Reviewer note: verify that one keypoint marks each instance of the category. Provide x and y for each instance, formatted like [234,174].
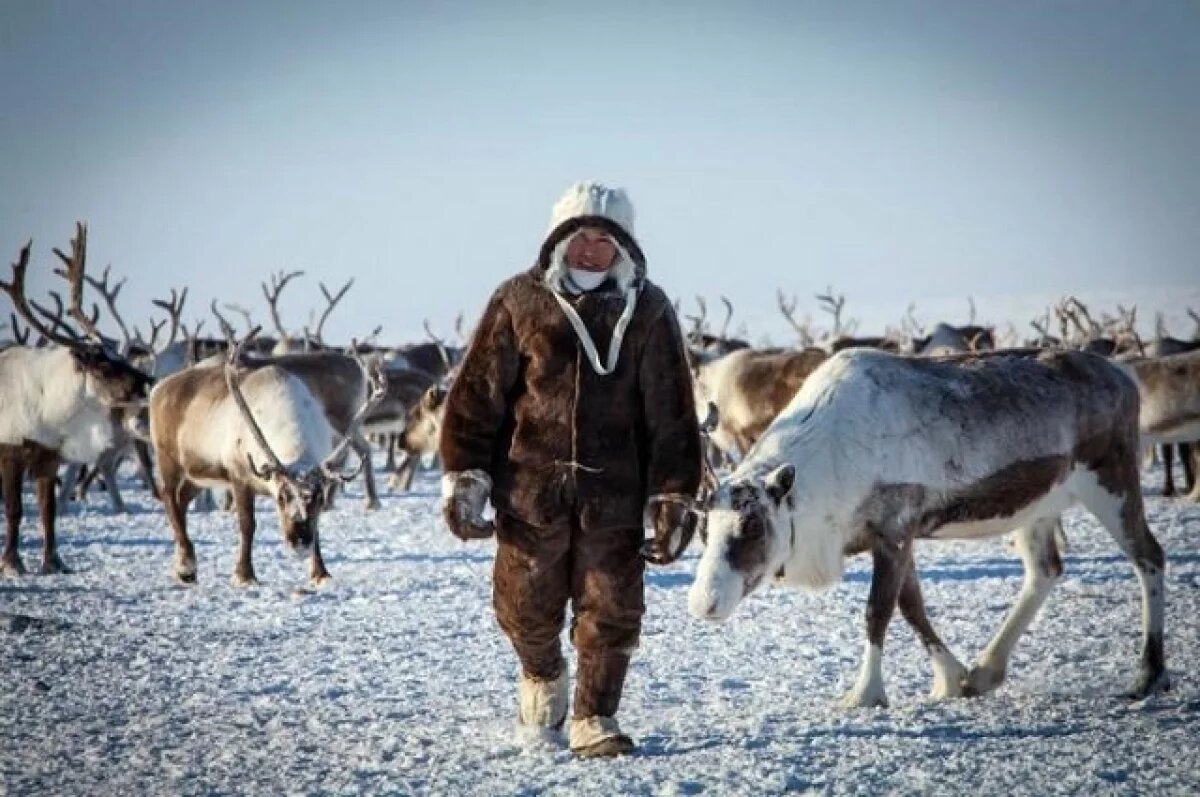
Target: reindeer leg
[1039,552]
[66,493]
[243,571]
[107,466]
[44,469]
[891,564]
[1187,455]
[145,466]
[1125,519]
[948,671]
[1168,454]
[390,464]
[363,449]
[177,492]
[402,478]
[12,468]
[318,576]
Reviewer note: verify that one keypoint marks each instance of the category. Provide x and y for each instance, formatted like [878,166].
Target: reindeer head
[299,491]
[114,382]
[423,427]
[748,528]
[299,500]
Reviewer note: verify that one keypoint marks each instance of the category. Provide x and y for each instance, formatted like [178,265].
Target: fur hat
[590,198]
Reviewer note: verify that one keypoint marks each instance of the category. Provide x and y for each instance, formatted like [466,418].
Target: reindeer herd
[246,415]
[838,445]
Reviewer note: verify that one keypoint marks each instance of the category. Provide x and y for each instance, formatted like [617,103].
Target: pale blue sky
[900,151]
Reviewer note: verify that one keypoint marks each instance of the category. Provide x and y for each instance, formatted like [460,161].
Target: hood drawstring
[589,346]
[585,338]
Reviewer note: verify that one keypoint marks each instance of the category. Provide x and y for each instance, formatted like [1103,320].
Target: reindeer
[259,431]
[338,381]
[750,387]
[877,451]
[390,417]
[58,403]
[133,436]
[1161,346]
[1170,408]
[422,431]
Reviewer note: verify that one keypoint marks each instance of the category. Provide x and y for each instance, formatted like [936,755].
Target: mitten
[671,521]
[464,496]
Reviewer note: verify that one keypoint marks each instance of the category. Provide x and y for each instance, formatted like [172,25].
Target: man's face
[591,249]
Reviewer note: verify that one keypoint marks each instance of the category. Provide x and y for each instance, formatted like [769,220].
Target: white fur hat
[589,198]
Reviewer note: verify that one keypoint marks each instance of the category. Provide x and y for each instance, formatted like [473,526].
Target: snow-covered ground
[395,679]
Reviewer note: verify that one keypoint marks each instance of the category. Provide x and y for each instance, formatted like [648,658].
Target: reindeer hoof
[241,580]
[185,577]
[982,679]
[1149,683]
[54,567]
[321,581]
[12,567]
[860,697]
[373,505]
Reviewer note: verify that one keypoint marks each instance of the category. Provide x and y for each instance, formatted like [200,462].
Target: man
[573,447]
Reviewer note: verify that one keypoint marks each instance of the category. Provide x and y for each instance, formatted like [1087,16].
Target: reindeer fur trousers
[538,570]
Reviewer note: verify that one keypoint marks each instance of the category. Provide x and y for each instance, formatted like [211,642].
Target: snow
[395,678]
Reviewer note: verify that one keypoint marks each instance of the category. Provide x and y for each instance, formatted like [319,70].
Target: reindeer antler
[278,283]
[227,330]
[110,299]
[441,345]
[699,322]
[73,272]
[833,305]
[789,312]
[331,302]
[376,389]
[26,308]
[19,336]
[274,465]
[728,316]
[174,308]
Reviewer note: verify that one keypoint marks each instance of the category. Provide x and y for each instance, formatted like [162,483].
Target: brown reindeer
[258,430]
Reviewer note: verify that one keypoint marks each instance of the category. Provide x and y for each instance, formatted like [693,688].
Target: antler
[74,273]
[278,283]
[16,291]
[833,305]
[331,302]
[909,324]
[19,336]
[376,388]
[227,329]
[728,316]
[789,312]
[699,322]
[441,345]
[273,465]
[174,308]
[1192,314]
[110,299]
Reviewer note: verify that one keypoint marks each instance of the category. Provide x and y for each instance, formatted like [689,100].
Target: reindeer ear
[779,482]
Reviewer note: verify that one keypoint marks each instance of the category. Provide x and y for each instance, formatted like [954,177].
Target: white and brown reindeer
[878,451]
[750,387]
[257,430]
[58,403]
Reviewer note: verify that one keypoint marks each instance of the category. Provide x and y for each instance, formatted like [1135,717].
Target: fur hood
[590,204]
